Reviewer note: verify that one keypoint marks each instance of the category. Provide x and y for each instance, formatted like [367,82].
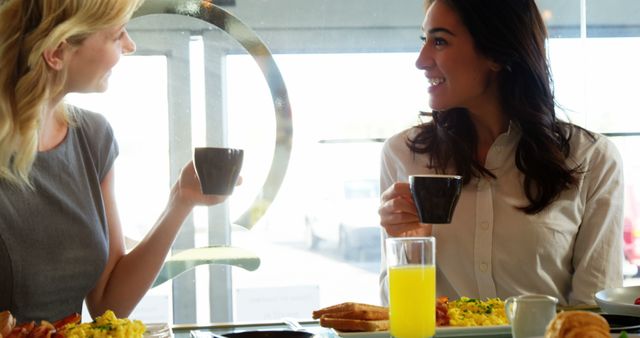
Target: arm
[127,276]
[598,251]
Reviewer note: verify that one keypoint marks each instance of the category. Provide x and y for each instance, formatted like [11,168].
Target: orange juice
[412,301]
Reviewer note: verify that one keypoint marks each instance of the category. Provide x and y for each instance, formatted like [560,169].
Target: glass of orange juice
[411,264]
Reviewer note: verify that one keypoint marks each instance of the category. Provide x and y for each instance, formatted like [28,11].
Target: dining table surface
[313,326]
[205,331]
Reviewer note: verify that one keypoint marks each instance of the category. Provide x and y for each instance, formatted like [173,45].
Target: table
[184,331]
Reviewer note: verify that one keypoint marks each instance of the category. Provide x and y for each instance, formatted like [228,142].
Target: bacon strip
[45,329]
[442,311]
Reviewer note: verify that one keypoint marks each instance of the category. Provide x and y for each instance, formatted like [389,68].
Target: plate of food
[71,326]
[459,318]
[442,331]
[619,301]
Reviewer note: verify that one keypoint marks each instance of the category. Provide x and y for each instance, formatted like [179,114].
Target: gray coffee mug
[217,169]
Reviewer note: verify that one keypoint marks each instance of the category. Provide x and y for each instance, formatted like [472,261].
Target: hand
[188,190]
[398,214]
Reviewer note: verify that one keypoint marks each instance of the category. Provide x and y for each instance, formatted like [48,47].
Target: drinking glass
[411,264]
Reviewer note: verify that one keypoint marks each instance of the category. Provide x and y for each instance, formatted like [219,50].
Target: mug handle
[508,308]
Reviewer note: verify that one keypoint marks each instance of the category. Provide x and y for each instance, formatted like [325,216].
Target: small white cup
[529,315]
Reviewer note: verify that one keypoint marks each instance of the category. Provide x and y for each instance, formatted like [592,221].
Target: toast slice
[351,310]
[359,314]
[354,325]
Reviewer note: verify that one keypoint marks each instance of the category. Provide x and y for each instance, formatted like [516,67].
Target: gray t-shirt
[54,239]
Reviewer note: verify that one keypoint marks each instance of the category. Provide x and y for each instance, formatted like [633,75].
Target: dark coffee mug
[435,196]
[217,169]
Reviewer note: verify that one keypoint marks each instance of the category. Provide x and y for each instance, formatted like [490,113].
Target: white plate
[619,301]
[157,330]
[449,331]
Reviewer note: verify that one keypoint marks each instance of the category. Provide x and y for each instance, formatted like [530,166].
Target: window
[348,67]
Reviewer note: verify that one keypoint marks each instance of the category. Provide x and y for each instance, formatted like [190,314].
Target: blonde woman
[61,239]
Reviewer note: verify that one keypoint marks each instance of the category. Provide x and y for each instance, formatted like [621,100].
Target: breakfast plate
[619,301]
[443,331]
[157,330]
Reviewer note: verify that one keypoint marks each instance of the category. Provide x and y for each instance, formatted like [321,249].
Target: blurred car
[347,218]
[342,204]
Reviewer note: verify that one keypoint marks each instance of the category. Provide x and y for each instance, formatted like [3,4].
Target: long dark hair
[512,34]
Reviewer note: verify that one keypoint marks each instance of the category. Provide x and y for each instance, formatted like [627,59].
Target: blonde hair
[27,29]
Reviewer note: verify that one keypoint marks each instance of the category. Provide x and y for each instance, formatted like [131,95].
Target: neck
[52,128]
[488,127]
[487,115]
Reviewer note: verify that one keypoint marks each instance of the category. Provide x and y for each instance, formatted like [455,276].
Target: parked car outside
[342,209]
[347,218]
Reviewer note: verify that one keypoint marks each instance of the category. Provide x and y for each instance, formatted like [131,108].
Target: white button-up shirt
[570,250]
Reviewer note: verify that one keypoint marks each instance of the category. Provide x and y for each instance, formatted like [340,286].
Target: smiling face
[459,77]
[90,63]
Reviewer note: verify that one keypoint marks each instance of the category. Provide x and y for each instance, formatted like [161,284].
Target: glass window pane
[563,18]
[331,186]
[612,18]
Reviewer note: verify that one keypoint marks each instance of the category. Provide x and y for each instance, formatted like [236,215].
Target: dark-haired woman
[541,209]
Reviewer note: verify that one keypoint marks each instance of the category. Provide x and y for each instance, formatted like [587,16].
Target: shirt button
[484,225]
[484,267]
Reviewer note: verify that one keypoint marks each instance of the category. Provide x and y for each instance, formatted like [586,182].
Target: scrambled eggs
[106,326]
[474,312]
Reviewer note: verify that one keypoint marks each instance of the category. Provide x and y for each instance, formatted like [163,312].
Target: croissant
[7,322]
[578,324]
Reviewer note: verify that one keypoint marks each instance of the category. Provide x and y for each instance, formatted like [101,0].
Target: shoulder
[95,137]
[88,120]
[398,158]
[593,150]
[91,126]
[586,143]
[398,143]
